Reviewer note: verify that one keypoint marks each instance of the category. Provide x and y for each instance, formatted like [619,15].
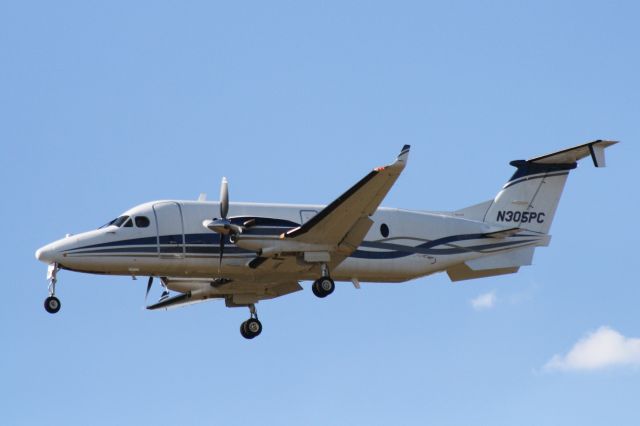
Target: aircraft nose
[46,254]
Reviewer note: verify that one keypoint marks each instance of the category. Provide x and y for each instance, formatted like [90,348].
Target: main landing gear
[251,327]
[52,303]
[323,286]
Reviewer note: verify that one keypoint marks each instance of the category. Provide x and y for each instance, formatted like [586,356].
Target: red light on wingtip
[379,169]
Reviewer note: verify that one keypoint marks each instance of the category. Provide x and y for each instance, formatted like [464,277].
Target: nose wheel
[252,327]
[52,303]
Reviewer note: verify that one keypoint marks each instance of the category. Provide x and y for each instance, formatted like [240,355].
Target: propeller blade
[221,252]
[224,198]
[149,284]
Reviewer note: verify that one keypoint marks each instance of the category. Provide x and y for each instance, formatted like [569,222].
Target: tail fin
[530,198]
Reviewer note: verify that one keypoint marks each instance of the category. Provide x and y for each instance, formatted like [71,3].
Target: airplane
[244,253]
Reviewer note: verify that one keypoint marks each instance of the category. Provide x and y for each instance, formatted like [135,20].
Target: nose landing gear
[251,327]
[52,303]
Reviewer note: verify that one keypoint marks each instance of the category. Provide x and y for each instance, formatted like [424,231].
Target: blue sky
[108,105]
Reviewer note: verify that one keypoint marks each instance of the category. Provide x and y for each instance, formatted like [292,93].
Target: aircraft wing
[182,299]
[345,222]
[235,293]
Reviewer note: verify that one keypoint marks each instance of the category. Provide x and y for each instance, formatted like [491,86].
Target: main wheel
[254,327]
[316,290]
[323,287]
[326,285]
[52,304]
[243,330]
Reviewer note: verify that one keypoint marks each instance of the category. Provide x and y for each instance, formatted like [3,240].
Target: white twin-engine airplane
[254,252]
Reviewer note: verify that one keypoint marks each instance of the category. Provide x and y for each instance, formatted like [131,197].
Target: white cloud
[484,301]
[602,348]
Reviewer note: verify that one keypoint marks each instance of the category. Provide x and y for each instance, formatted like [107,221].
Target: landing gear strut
[324,286]
[52,303]
[251,327]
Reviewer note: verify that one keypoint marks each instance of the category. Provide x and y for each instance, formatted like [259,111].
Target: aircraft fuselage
[167,238]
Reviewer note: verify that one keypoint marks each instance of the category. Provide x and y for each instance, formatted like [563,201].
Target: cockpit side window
[119,221]
[142,221]
[116,222]
[128,223]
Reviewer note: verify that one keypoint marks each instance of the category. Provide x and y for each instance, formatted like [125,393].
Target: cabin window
[142,221]
[384,230]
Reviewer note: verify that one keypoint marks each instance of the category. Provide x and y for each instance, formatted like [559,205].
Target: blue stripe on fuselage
[208,243]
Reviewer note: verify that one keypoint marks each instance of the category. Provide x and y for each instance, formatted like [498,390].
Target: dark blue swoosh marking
[527,168]
[263,221]
[529,179]
[427,248]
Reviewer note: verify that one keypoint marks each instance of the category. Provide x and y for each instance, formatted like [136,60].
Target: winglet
[401,160]
[404,154]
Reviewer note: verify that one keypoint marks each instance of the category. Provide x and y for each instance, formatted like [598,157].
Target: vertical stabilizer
[530,198]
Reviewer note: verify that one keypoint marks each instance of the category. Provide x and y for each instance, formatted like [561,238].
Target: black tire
[253,327]
[326,286]
[316,290]
[52,304]
[243,330]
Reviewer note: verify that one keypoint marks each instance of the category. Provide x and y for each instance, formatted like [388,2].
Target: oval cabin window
[142,221]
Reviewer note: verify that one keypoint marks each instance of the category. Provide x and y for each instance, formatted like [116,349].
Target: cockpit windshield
[116,222]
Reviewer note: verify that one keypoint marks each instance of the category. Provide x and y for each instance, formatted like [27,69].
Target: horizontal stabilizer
[513,258]
[594,149]
[489,266]
[462,272]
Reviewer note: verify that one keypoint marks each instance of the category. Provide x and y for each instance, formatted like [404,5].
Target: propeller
[165,290]
[224,198]
[224,209]
[149,284]
[223,225]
